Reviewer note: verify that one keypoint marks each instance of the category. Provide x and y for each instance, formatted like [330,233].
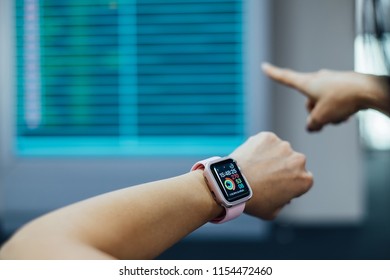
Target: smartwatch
[227,185]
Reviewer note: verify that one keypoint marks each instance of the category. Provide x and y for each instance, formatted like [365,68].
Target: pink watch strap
[201,164]
[231,212]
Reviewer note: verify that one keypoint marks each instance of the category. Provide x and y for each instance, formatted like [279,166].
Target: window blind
[129,77]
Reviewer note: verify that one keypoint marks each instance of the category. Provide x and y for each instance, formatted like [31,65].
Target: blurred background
[99,95]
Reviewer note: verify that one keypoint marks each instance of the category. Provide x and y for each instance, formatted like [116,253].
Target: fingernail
[308,121]
[312,125]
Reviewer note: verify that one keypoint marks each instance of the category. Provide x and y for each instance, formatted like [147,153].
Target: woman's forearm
[377,94]
[133,223]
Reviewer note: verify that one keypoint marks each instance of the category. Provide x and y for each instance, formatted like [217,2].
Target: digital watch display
[227,184]
[230,180]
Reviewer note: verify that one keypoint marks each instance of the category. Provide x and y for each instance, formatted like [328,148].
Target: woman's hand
[276,173]
[332,96]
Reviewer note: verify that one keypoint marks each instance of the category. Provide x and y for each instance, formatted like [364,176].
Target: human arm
[333,96]
[132,223]
[142,221]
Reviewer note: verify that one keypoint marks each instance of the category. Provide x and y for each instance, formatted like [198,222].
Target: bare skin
[141,222]
[333,96]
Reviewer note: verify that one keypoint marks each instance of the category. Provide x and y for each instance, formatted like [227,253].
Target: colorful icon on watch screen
[229,184]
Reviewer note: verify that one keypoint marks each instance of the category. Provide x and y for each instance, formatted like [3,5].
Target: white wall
[310,35]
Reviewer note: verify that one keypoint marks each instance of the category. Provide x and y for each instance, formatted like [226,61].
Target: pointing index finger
[287,77]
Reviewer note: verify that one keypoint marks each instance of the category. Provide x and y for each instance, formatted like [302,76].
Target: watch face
[230,180]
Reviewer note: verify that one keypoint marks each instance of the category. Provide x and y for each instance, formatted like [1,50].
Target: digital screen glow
[231,181]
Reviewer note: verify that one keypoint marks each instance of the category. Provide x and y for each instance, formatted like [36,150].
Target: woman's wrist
[201,197]
[376,95]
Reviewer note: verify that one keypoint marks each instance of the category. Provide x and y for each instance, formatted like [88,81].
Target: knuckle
[286,146]
[307,182]
[269,136]
[255,137]
[310,181]
[298,161]
[301,159]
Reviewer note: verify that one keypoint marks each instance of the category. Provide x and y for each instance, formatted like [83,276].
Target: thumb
[317,118]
